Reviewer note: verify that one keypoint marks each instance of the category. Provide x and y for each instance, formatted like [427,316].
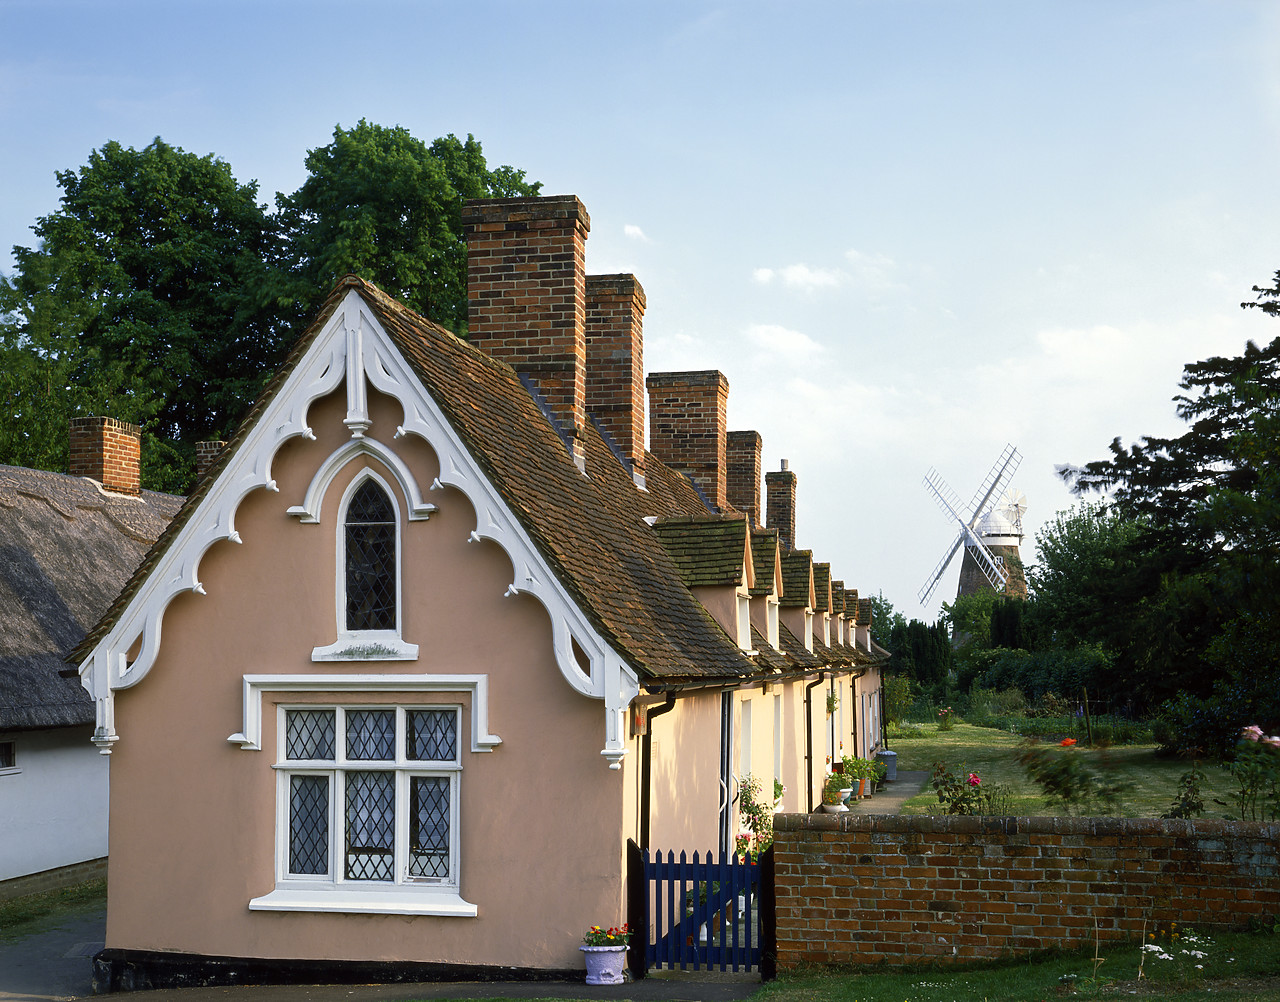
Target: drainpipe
[808,737]
[646,767]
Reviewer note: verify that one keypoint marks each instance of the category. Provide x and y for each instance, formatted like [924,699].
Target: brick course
[780,487]
[615,361]
[526,295]
[687,418]
[106,450]
[742,454]
[854,889]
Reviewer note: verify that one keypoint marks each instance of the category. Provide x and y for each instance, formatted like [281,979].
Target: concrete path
[54,964]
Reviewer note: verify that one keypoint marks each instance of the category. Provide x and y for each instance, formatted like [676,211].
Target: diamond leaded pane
[371,735]
[429,827]
[433,735]
[309,824]
[308,734]
[370,825]
[371,560]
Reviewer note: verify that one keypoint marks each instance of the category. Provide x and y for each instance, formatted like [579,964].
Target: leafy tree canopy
[163,293]
[884,618]
[384,205]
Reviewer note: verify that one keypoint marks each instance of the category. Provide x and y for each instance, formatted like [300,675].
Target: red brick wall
[107,450]
[526,295]
[615,361]
[742,453]
[780,486]
[909,889]
[687,419]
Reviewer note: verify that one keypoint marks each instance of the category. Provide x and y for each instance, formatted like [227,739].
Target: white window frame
[332,891]
[366,645]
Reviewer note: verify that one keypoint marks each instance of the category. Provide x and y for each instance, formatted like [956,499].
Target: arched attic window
[368,585]
[369,537]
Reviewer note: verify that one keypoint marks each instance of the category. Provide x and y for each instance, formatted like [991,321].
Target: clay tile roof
[797,577]
[766,657]
[764,554]
[830,655]
[795,650]
[864,612]
[66,549]
[591,530]
[837,597]
[707,551]
[822,587]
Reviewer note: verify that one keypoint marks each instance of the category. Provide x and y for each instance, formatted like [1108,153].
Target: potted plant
[833,793]
[605,951]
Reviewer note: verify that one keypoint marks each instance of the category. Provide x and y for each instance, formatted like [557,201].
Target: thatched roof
[66,549]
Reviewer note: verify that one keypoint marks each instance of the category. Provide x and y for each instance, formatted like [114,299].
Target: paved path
[54,964]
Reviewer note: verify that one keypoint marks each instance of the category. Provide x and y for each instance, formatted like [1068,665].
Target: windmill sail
[980,509]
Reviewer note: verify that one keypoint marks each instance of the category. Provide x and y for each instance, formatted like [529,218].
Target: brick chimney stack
[206,455]
[742,453]
[615,362]
[780,485]
[108,451]
[526,296]
[687,427]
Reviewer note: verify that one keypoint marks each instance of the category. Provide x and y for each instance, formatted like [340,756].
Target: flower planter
[834,808]
[604,964]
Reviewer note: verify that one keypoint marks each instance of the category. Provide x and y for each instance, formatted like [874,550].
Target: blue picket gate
[703,913]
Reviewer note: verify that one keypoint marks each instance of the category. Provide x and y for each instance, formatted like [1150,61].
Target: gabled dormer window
[368,579]
[370,543]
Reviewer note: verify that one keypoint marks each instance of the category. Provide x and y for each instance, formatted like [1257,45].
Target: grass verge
[1242,967]
[23,916]
[1152,782]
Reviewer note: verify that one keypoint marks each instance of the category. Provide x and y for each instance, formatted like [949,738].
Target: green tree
[1084,553]
[145,300]
[884,618]
[384,205]
[1204,575]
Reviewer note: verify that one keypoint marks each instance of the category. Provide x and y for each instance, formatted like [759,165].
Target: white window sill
[372,645]
[385,900]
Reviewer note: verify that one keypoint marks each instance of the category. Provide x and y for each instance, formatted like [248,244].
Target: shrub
[968,794]
[1068,781]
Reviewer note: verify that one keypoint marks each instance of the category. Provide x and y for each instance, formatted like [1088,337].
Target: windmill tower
[990,534]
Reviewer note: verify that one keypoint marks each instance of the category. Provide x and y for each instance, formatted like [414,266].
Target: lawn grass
[23,916]
[1152,782]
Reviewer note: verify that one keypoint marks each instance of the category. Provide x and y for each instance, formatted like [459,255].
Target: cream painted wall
[685,799]
[193,816]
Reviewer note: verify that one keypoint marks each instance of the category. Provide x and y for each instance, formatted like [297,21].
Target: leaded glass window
[373,796]
[370,536]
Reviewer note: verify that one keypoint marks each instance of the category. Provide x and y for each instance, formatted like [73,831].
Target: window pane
[429,827]
[308,734]
[309,824]
[370,825]
[371,560]
[433,735]
[371,734]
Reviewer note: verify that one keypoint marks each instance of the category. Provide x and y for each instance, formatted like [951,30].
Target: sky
[908,233]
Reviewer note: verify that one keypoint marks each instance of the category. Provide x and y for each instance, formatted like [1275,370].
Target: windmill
[990,534]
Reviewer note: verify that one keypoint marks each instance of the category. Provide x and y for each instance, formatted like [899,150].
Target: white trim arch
[353,346]
[308,512]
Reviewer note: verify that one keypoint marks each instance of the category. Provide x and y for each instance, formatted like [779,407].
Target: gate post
[768,898]
[637,911]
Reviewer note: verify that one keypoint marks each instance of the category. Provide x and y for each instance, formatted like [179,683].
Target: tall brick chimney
[742,454]
[780,486]
[526,296]
[687,427]
[615,363]
[108,451]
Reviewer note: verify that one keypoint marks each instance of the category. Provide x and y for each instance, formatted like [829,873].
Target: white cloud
[782,345]
[635,233]
[801,276]
[874,274]
[763,275]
